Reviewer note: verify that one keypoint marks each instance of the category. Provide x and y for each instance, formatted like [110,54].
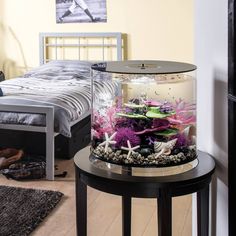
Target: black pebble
[175,151]
[145,151]
[184,150]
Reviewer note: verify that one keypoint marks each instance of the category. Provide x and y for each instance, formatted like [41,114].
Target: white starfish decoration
[108,141]
[129,148]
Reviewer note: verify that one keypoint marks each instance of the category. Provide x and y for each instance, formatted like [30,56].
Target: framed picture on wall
[81,11]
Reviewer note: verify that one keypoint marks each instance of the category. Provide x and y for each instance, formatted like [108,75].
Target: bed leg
[50,144]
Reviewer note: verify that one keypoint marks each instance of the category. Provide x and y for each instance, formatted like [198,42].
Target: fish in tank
[144,113]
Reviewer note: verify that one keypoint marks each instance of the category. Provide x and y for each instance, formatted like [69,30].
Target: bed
[39,102]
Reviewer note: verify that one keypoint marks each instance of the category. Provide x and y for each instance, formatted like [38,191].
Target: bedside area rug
[21,209]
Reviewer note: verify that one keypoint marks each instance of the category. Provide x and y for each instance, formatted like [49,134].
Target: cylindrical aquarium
[144,113]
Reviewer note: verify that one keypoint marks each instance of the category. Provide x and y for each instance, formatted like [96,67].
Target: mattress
[65,85]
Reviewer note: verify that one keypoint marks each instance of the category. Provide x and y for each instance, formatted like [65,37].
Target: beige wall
[156,29]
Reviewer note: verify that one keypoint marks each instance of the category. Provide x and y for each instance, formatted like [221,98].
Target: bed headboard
[80,46]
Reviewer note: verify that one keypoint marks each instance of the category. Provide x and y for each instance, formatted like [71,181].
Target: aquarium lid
[144,67]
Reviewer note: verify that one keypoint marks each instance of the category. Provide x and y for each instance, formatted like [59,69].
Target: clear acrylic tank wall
[144,113]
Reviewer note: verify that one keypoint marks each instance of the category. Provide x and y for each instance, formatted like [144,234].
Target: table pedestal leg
[126,216]
[203,212]
[81,207]
[164,214]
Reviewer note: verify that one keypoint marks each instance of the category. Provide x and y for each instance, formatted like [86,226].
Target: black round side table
[128,185]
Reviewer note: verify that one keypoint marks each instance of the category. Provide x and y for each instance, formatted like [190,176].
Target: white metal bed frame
[45,45]
[48,111]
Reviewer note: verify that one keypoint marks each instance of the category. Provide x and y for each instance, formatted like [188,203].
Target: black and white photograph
[81,11]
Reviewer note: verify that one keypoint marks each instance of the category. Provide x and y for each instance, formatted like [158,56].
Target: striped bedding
[63,84]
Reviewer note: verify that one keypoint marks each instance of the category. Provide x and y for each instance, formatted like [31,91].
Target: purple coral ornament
[125,134]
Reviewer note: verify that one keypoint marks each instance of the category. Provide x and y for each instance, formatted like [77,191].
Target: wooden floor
[104,210]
